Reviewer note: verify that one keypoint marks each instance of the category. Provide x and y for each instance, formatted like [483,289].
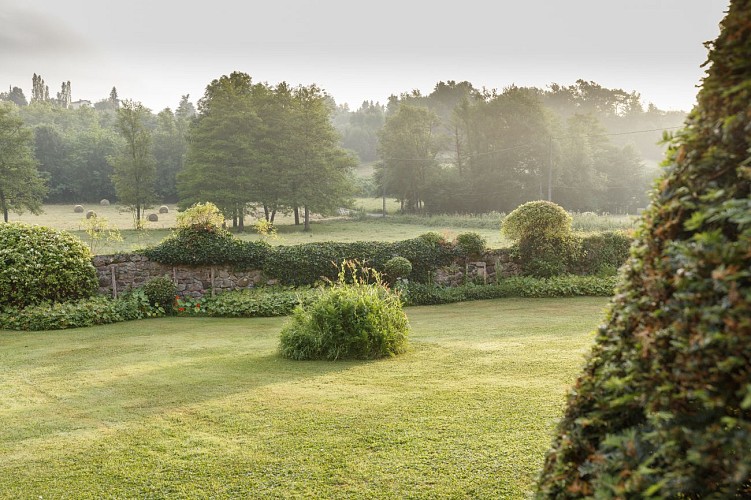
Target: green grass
[193,407]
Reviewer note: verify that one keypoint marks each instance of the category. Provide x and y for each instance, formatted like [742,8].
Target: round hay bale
[153,218]
[164,209]
[78,209]
[105,202]
[90,214]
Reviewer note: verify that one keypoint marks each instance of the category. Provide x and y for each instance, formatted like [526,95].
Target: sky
[155,51]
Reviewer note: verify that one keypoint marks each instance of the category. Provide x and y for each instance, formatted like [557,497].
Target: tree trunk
[273,215]
[4,205]
[297,215]
[307,219]
[241,220]
[266,212]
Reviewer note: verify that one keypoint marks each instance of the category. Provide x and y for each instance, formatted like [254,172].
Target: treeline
[282,148]
[460,149]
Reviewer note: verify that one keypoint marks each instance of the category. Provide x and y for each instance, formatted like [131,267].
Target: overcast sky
[154,51]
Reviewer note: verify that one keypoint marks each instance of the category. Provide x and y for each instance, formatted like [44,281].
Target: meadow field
[367,226]
[203,407]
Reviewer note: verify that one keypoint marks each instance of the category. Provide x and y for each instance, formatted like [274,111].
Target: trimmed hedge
[40,264]
[663,406]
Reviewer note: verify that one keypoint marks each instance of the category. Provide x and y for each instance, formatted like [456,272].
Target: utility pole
[550,170]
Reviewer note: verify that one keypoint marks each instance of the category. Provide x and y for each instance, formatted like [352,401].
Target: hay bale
[153,218]
[164,209]
[105,202]
[90,214]
[78,209]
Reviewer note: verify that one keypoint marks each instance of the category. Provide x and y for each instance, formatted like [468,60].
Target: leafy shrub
[261,302]
[161,293]
[662,408]
[546,257]
[397,267]
[471,244]
[602,253]
[41,264]
[357,320]
[537,220]
[78,314]
[418,294]
[208,245]
[200,214]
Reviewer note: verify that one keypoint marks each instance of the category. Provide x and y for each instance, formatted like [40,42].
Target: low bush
[78,314]
[603,253]
[471,245]
[397,267]
[418,294]
[161,292]
[360,320]
[546,257]
[261,302]
[41,264]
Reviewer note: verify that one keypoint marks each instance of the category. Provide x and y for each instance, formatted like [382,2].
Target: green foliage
[397,267]
[79,313]
[201,214]
[208,245]
[546,257]
[537,220]
[419,294]
[21,186]
[663,406]
[359,320]
[41,264]
[161,292]
[602,253]
[258,302]
[471,245]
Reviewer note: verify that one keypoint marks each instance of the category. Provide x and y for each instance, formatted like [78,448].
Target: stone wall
[120,273]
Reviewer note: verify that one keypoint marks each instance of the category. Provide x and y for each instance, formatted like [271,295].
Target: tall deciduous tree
[318,178]
[134,168]
[408,144]
[663,407]
[221,152]
[14,95]
[21,187]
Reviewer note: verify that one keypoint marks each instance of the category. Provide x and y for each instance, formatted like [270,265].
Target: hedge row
[270,302]
[307,264]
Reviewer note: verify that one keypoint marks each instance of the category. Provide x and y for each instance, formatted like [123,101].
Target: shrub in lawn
[161,292]
[200,214]
[397,267]
[360,320]
[663,406]
[42,264]
[545,257]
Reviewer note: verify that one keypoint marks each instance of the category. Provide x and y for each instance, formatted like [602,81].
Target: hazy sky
[154,51]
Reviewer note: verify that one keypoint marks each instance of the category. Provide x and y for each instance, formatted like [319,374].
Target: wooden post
[114,281]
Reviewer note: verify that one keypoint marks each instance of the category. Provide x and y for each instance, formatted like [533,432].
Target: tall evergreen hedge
[663,408]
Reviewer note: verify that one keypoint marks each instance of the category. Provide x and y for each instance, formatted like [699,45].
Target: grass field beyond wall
[189,407]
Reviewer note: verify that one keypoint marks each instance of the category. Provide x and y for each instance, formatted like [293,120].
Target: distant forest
[459,149]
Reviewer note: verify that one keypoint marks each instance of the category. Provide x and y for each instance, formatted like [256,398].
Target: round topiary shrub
[397,267]
[164,209]
[105,203]
[537,219]
[161,292]
[471,244]
[78,209]
[358,320]
[41,264]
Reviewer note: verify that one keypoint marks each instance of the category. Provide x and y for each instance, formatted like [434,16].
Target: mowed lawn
[202,407]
